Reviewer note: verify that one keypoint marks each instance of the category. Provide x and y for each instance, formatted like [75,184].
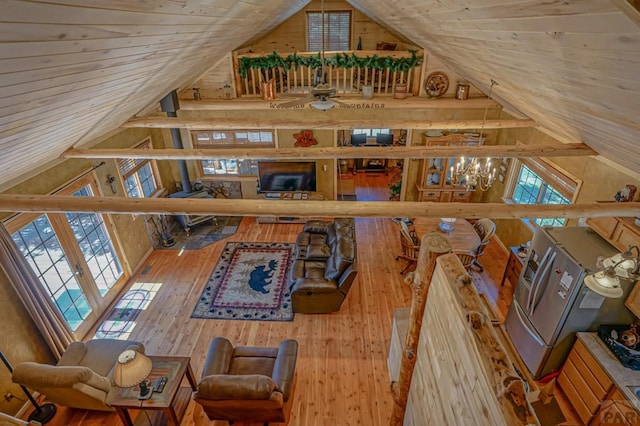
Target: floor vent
[145,270]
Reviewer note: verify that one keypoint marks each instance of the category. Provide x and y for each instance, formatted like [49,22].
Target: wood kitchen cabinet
[616,410]
[435,182]
[621,232]
[584,382]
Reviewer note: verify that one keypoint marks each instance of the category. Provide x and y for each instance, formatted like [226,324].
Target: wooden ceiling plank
[144,53]
[84,81]
[13,50]
[51,116]
[583,23]
[76,96]
[520,9]
[217,206]
[200,8]
[631,8]
[48,32]
[26,11]
[575,64]
[546,42]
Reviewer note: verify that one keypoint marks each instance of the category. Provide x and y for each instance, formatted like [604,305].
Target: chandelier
[473,173]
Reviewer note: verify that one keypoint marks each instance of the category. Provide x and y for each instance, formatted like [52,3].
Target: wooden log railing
[346,80]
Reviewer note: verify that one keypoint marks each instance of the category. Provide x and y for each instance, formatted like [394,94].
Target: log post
[431,246]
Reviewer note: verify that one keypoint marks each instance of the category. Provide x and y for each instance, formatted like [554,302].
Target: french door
[74,257]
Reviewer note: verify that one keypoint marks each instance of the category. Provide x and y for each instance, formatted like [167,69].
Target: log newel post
[432,246]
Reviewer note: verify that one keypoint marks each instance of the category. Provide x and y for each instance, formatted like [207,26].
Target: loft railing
[299,79]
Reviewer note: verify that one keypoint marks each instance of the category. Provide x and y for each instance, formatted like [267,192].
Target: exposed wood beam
[353,101]
[495,151]
[318,121]
[64,203]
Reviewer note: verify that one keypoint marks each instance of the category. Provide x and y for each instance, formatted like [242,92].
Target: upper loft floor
[358,51]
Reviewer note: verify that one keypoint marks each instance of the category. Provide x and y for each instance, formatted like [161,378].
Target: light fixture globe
[131,369]
[625,265]
[605,283]
[323,105]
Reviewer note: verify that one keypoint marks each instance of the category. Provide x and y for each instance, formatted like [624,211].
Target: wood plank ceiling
[74,70]
[572,66]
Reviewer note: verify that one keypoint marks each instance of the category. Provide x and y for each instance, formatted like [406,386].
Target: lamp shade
[624,264]
[132,368]
[605,283]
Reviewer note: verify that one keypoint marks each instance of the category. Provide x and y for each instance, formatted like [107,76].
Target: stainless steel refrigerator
[551,303]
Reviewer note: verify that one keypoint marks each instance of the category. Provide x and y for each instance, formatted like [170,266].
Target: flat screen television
[358,139]
[276,176]
[384,138]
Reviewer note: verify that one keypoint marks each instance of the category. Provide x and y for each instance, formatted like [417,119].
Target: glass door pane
[42,250]
[95,245]
[96,248]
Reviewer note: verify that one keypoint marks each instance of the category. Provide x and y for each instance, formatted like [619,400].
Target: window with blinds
[241,139]
[371,132]
[337,31]
[536,181]
[139,175]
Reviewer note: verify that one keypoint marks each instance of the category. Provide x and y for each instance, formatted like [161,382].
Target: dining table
[462,235]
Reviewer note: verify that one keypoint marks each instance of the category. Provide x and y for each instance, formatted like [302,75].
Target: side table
[166,407]
[513,268]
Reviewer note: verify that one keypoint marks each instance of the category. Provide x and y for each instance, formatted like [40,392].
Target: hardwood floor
[342,374]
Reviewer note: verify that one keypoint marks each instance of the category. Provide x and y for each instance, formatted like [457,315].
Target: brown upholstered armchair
[247,383]
[82,378]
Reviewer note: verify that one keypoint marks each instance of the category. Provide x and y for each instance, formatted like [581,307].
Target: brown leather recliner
[325,266]
[248,383]
[82,378]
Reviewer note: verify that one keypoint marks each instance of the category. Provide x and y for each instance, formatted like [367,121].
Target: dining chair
[467,258]
[486,229]
[410,247]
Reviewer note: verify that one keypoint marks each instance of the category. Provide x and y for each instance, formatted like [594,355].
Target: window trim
[328,12]
[99,303]
[235,145]
[550,173]
[145,143]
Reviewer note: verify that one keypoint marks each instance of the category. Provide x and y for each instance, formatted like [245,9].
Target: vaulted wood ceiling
[74,70]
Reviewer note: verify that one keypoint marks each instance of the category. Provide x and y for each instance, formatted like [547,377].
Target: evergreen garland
[339,60]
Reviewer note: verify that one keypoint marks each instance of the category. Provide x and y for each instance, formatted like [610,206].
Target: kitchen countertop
[625,379]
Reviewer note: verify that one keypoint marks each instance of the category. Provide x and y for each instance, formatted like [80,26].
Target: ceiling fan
[322,93]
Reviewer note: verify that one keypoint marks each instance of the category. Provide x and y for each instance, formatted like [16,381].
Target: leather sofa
[325,266]
[248,383]
[82,378]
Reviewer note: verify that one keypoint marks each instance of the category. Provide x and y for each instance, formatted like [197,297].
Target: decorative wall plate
[437,84]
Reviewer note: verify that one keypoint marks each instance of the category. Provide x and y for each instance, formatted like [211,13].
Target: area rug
[122,317]
[249,282]
[205,233]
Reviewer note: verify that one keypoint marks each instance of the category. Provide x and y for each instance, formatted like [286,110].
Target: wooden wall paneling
[455,383]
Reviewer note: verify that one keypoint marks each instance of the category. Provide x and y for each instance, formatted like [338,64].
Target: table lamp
[133,368]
